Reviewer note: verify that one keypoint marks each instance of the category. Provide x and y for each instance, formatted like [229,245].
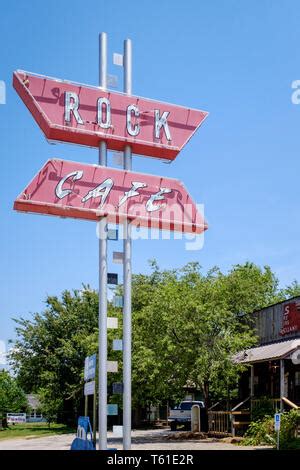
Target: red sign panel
[291,318]
[83,114]
[71,189]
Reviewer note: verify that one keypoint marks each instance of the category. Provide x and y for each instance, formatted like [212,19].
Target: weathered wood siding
[269,323]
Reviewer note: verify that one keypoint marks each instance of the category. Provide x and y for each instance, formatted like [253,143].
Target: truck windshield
[185,406]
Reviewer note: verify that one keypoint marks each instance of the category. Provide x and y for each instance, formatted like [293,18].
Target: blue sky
[235,59]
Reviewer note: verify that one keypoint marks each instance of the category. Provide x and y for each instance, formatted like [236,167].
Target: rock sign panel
[83,114]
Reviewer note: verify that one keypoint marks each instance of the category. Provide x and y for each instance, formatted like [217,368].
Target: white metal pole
[102,273]
[127,272]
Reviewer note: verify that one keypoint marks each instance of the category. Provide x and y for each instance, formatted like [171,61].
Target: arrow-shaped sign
[83,191]
[83,114]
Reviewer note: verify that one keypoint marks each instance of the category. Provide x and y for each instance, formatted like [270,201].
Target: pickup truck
[182,413]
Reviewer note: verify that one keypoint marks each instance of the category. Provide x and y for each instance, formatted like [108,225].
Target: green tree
[293,290]
[186,326]
[50,404]
[12,397]
[50,350]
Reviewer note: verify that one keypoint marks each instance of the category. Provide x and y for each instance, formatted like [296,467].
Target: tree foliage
[12,397]
[50,404]
[51,347]
[191,324]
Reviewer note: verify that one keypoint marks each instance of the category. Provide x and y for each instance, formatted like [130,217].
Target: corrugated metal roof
[269,352]
[290,299]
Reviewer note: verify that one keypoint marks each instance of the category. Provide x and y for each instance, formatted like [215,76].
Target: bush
[288,428]
[261,432]
[50,406]
[262,409]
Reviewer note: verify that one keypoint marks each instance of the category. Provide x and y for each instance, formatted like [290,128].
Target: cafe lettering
[102,191]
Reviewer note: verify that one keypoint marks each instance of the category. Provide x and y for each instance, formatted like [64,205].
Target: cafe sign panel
[85,191]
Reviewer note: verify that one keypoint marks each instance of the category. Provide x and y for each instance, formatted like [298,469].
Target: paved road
[141,440]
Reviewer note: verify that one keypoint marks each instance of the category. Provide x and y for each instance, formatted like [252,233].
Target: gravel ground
[141,440]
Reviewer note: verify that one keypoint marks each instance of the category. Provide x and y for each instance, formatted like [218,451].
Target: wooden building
[274,365]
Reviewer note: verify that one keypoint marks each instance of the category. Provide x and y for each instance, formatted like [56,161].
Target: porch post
[281,383]
[252,381]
